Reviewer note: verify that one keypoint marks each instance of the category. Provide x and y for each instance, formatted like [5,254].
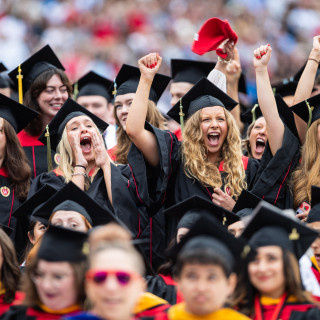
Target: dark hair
[32,297]
[34,128]
[10,271]
[16,163]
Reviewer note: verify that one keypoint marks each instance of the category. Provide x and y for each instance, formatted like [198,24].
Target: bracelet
[224,60]
[314,60]
[79,174]
[80,166]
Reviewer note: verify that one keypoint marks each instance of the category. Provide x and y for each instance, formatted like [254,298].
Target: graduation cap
[190,70]
[43,60]
[314,214]
[128,78]
[269,226]
[23,213]
[92,84]
[6,229]
[201,95]
[246,200]
[2,67]
[308,110]
[15,113]
[61,244]
[72,198]
[68,111]
[208,233]
[4,79]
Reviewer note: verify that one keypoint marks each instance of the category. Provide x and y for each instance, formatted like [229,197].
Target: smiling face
[316,243]
[122,104]
[214,127]
[52,97]
[266,271]
[205,288]
[55,284]
[258,138]
[69,220]
[111,299]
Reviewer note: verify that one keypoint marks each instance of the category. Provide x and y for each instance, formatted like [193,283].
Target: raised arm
[144,140]
[305,85]
[267,102]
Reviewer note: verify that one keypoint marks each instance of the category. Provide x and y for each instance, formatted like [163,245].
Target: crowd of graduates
[112,210]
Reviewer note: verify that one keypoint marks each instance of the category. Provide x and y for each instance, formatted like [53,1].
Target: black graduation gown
[36,153]
[8,202]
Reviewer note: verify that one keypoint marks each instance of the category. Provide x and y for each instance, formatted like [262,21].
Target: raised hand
[149,65]
[101,156]
[233,71]
[222,199]
[261,57]
[76,149]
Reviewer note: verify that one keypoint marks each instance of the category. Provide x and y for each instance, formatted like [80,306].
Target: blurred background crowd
[101,35]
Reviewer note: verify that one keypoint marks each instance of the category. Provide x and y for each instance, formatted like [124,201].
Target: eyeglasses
[100,276]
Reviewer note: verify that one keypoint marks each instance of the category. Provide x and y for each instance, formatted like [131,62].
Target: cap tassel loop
[310,109]
[294,235]
[49,158]
[253,111]
[20,89]
[114,92]
[75,91]
[181,114]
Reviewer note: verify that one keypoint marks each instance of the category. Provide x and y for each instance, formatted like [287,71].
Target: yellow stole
[147,301]
[178,312]
[314,261]
[266,301]
[2,289]
[68,310]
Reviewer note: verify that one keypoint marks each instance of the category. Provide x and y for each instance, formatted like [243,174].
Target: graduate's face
[205,288]
[55,284]
[38,231]
[214,127]
[52,97]
[112,297]
[178,90]
[69,220]
[266,271]
[122,104]
[3,139]
[181,233]
[258,138]
[79,131]
[236,228]
[97,105]
[316,243]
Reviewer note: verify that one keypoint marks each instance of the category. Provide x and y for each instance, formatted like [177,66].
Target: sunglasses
[100,276]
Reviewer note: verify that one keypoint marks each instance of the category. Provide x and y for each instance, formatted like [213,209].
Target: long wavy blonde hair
[308,173]
[154,117]
[196,165]
[66,160]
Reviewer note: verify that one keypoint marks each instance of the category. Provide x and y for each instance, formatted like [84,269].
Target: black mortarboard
[201,95]
[208,232]
[252,114]
[23,214]
[308,110]
[69,110]
[246,200]
[61,244]
[269,226]
[2,67]
[81,202]
[92,84]
[4,79]
[190,70]
[128,78]
[15,113]
[6,229]
[314,214]
[200,206]
[43,60]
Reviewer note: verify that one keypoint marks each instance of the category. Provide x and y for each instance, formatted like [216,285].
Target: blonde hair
[307,173]
[197,166]
[154,117]
[66,160]
[245,143]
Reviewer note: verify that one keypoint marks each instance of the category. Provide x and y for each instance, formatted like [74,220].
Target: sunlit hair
[308,173]
[66,161]
[154,117]
[31,96]
[197,166]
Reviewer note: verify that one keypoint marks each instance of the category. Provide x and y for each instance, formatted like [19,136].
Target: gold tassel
[181,114]
[310,109]
[253,111]
[75,91]
[20,89]
[49,159]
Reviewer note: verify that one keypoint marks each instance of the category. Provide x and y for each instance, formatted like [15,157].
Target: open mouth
[214,138]
[317,256]
[260,145]
[56,106]
[85,144]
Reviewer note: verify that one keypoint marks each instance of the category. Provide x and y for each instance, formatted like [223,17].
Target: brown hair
[32,297]
[10,271]
[194,155]
[31,96]
[245,143]
[154,117]
[16,163]
[307,173]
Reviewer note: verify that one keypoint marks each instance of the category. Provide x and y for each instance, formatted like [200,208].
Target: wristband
[80,166]
[314,60]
